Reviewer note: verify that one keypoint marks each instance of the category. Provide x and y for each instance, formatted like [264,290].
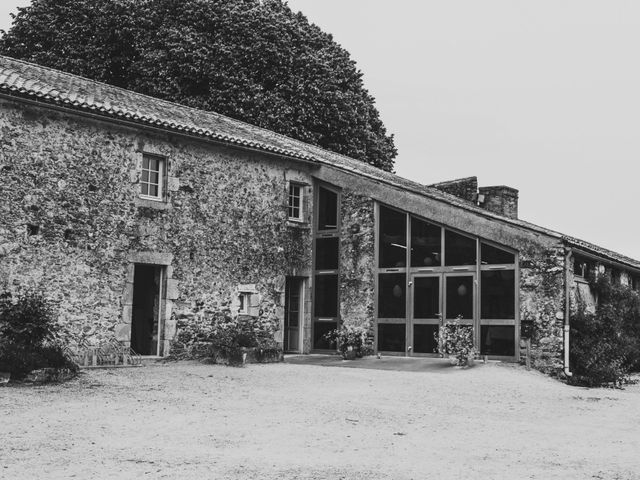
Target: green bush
[352,338]
[605,344]
[456,339]
[28,335]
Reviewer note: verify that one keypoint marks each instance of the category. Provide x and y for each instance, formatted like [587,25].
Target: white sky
[543,96]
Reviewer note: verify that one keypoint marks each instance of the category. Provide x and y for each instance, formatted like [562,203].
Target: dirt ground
[290,421]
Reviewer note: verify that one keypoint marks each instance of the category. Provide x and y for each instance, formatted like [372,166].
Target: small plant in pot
[456,340]
[353,341]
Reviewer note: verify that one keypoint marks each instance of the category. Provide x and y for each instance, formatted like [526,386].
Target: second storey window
[151,180]
[296,197]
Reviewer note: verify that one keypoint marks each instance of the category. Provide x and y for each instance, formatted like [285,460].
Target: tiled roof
[30,81]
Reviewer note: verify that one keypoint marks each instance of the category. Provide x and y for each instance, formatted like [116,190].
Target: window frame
[319,234]
[162,174]
[244,298]
[301,205]
[443,271]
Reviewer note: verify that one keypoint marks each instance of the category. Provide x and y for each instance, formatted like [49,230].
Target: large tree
[254,60]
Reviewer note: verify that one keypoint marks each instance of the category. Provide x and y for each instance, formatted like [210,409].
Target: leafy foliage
[352,338]
[28,335]
[605,344]
[28,321]
[456,339]
[224,338]
[254,60]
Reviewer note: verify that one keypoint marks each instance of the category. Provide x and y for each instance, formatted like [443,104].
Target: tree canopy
[253,60]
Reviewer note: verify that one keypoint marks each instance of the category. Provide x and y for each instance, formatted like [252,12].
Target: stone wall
[465,188]
[542,302]
[71,219]
[357,259]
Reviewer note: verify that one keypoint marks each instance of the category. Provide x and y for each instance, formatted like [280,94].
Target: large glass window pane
[491,255]
[424,338]
[327,253]
[391,337]
[497,340]
[459,297]
[320,329]
[425,244]
[458,249]
[426,297]
[391,295]
[393,238]
[497,294]
[326,296]
[327,209]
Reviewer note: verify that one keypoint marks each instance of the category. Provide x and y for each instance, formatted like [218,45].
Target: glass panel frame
[392,238]
[415,327]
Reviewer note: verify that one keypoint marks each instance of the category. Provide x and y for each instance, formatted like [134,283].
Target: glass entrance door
[425,315]
[437,299]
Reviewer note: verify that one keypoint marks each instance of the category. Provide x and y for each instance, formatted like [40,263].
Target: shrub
[20,360]
[605,344]
[456,339]
[29,321]
[224,339]
[352,338]
[28,335]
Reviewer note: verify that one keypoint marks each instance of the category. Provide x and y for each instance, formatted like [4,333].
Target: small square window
[245,303]
[152,177]
[296,200]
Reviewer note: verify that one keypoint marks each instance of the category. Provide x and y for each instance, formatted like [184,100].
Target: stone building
[134,212]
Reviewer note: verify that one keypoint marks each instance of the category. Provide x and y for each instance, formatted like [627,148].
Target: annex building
[135,213]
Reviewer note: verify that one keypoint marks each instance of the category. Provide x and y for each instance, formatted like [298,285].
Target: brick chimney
[465,188]
[499,199]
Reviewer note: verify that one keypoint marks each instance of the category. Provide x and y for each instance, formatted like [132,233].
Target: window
[327,209]
[583,267]
[393,238]
[425,244]
[152,178]
[296,196]
[495,256]
[459,249]
[498,294]
[245,303]
[326,301]
[327,257]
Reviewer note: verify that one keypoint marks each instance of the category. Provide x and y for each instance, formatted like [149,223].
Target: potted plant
[352,341]
[456,340]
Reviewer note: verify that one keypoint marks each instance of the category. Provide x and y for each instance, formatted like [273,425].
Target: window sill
[148,203]
[298,224]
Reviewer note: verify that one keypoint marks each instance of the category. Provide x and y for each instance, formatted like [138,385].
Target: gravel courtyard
[288,421]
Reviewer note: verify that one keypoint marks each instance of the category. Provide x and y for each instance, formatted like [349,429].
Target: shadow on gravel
[403,364]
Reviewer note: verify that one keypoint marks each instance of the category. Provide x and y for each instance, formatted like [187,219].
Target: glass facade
[429,275]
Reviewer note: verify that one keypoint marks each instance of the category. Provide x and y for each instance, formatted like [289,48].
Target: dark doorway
[147,283]
[292,314]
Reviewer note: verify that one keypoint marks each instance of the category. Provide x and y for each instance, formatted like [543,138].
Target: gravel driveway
[193,421]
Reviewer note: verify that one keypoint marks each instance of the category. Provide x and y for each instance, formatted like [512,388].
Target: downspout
[567,308]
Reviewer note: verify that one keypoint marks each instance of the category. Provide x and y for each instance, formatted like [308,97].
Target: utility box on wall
[526,328]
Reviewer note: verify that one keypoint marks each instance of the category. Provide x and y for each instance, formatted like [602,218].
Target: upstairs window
[327,209]
[583,267]
[296,198]
[152,178]
[393,238]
